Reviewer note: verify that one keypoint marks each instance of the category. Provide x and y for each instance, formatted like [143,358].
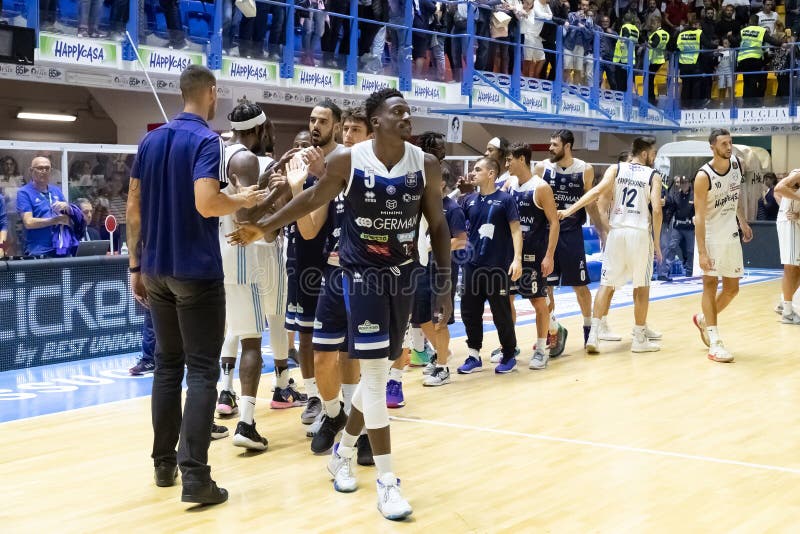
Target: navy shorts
[569,267]
[302,293]
[531,285]
[330,322]
[425,300]
[378,302]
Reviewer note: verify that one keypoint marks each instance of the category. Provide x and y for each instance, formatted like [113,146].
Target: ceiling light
[59,117]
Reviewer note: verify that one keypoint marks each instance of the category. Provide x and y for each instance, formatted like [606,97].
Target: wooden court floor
[617,442]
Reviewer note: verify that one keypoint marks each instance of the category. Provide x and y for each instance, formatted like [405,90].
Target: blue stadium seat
[591,240]
[68,12]
[198,19]
[594,268]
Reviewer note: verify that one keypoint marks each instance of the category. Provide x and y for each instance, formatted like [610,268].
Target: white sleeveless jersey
[630,208]
[722,202]
[263,162]
[787,204]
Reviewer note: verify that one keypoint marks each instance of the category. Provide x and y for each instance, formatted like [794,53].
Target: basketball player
[570,178]
[376,256]
[717,206]
[635,189]
[539,224]
[788,226]
[495,238]
[497,149]
[305,258]
[253,289]
[334,369]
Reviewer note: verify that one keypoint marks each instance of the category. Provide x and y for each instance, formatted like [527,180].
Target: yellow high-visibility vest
[621,50]
[689,46]
[752,42]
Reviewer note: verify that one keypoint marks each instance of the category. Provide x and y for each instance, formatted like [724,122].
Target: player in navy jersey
[539,223]
[495,260]
[497,149]
[306,261]
[570,179]
[388,184]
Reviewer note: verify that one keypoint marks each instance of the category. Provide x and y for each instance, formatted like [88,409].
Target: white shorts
[628,257]
[533,48]
[789,242]
[726,259]
[262,290]
[724,81]
[574,59]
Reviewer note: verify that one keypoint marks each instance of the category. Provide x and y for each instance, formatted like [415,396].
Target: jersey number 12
[628,197]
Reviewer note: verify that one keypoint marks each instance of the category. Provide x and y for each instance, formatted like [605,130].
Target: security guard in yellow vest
[751,58]
[689,44]
[657,55]
[629,30]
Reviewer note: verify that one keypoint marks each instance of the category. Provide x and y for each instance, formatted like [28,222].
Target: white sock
[282,381]
[332,408]
[713,334]
[347,395]
[603,320]
[639,329]
[311,387]
[247,408]
[383,463]
[348,440]
[787,308]
[395,374]
[227,377]
[593,322]
[417,339]
[588,321]
[475,353]
[541,343]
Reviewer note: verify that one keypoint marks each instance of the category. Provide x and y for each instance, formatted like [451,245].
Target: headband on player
[249,124]
[495,142]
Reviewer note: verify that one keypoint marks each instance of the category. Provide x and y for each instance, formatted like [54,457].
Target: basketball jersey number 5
[369,177]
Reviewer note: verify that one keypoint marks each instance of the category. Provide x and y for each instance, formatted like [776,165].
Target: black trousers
[692,87]
[755,85]
[173,20]
[621,74]
[678,242]
[651,86]
[189,322]
[331,36]
[482,284]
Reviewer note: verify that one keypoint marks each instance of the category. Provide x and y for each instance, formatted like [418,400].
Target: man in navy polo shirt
[174,200]
[41,206]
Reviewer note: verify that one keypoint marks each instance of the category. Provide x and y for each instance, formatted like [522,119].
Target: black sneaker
[143,367]
[204,493]
[218,431]
[248,437]
[292,356]
[226,404]
[165,475]
[326,435]
[313,408]
[364,451]
[287,398]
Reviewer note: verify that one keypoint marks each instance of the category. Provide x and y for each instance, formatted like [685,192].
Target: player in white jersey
[788,225]
[254,287]
[717,205]
[634,235]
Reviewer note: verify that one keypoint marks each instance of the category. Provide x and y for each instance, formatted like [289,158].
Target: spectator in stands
[172,16]
[676,16]
[650,13]
[689,45]
[313,28]
[657,41]
[3,226]
[708,58]
[751,58]
[90,233]
[708,23]
[727,25]
[607,44]
[456,23]
[767,205]
[42,206]
[767,17]
[438,42]
[782,61]
[577,32]
[724,70]
[253,31]
[47,15]
[629,37]
[330,39]
[371,13]
[560,10]
[793,16]
[532,51]
[277,30]
[742,8]
[117,200]
[9,173]
[483,23]
[588,47]
[119,16]
[421,42]
[89,12]
[541,13]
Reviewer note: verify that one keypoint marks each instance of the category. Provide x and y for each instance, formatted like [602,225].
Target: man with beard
[376,255]
[636,191]
[306,261]
[254,284]
[570,178]
[717,206]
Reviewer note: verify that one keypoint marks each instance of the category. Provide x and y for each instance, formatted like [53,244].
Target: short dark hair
[642,143]
[753,20]
[336,111]
[80,201]
[717,132]
[356,114]
[566,137]
[492,164]
[623,156]
[519,149]
[194,79]
[427,139]
[376,100]
[244,112]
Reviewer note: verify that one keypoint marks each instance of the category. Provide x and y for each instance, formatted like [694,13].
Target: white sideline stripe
[611,446]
